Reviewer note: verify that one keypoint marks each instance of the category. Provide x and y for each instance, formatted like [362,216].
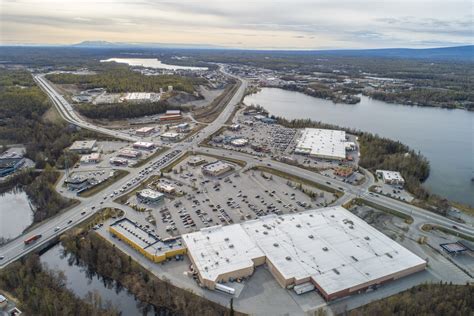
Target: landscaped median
[294,178]
[118,174]
[454,232]
[407,218]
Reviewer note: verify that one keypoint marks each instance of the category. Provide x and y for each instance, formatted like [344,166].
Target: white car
[57,228]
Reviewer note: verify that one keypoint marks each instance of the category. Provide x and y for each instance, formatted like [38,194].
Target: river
[81,282]
[16,213]
[444,136]
[150,63]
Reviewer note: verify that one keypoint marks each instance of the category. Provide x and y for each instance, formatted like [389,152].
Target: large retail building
[329,248]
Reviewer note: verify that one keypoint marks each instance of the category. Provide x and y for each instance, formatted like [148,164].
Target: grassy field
[407,218]
[119,174]
[428,227]
[300,180]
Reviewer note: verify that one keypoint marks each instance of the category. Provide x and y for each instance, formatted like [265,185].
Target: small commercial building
[90,158]
[216,168]
[390,177]
[171,115]
[144,145]
[150,196]
[118,161]
[77,183]
[145,131]
[10,163]
[169,137]
[130,154]
[239,142]
[322,143]
[84,146]
[196,161]
[145,241]
[166,188]
[183,128]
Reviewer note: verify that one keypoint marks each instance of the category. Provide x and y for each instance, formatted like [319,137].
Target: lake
[81,282]
[444,136]
[16,213]
[150,63]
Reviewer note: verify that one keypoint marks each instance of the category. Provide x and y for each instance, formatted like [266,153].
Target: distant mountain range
[441,53]
[105,44]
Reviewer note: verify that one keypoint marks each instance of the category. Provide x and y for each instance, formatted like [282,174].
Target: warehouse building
[216,168]
[221,253]
[322,143]
[330,248]
[145,131]
[391,177]
[146,242]
[84,146]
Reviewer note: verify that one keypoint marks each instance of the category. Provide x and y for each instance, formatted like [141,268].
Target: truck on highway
[32,239]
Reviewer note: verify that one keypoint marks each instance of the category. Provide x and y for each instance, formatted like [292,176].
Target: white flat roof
[170,135]
[334,247]
[138,95]
[391,175]
[145,129]
[83,144]
[143,144]
[221,249]
[217,166]
[151,194]
[322,142]
[331,246]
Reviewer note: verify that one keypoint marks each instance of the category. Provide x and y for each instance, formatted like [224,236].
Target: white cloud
[247,23]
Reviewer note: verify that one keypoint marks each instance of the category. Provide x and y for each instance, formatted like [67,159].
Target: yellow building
[146,243]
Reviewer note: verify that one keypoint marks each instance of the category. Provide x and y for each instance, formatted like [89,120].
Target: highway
[69,218]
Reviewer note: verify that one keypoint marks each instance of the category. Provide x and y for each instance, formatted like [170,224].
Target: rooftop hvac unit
[367,238]
[310,236]
[298,225]
[275,245]
[226,239]
[325,248]
[288,258]
[231,246]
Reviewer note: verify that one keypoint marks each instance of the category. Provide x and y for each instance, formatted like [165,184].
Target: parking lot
[275,141]
[201,201]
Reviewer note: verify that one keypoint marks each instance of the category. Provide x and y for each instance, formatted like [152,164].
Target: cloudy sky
[279,24]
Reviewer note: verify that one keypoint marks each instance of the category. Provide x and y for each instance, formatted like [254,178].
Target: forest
[423,300]
[124,110]
[119,78]
[100,257]
[41,291]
